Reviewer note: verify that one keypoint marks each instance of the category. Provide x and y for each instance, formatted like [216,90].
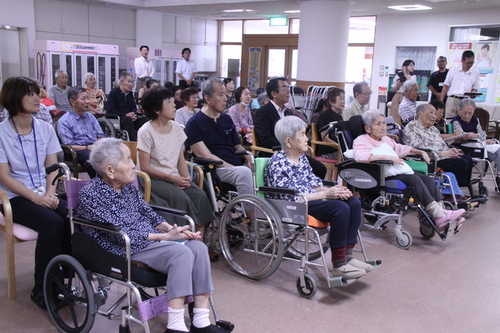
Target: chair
[328,163]
[14,233]
[132,145]
[71,159]
[491,128]
[255,147]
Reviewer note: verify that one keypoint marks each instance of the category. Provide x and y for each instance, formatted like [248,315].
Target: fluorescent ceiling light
[291,11]
[410,7]
[238,10]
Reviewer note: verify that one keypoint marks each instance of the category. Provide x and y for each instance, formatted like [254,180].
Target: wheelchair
[382,200]
[77,286]
[110,125]
[256,234]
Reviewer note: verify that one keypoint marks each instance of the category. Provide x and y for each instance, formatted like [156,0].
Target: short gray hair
[59,72]
[262,98]
[87,76]
[105,152]
[73,92]
[370,116]
[408,84]
[288,127]
[208,86]
[422,108]
[466,102]
[124,75]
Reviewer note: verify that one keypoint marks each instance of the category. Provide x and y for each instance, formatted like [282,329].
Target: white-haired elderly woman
[113,198]
[289,168]
[96,95]
[376,146]
[466,122]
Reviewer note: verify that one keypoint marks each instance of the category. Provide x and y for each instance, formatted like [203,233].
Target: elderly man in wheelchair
[112,198]
[386,166]
[289,168]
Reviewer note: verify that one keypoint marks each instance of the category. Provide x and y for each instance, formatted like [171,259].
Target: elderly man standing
[59,93]
[143,67]
[80,128]
[359,105]
[408,107]
[211,134]
[186,69]
[436,81]
[278,92]
[122,103]
[422,134]
[460,80]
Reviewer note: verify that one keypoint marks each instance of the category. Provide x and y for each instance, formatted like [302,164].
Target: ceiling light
[291,11]
[238,10]
[410,7]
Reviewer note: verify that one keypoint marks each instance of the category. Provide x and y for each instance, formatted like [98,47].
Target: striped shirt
[79,130]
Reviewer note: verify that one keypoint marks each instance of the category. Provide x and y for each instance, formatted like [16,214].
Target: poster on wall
[484,53]
[254,67]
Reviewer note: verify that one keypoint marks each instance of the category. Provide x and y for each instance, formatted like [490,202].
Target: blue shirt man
[79,128]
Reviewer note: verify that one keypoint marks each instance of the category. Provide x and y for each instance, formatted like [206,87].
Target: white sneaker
[349,272]
[360,264]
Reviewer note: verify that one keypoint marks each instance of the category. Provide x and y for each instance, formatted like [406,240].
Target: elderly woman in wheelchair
[289,168]
[377,146]
[172,250]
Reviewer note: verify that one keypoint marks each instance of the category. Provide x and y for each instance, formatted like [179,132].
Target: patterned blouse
[240,119]
[281,172]
[101,203]
[231,100]
[417,136]
[95,97]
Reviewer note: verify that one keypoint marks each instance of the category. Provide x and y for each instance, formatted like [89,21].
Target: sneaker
[208,329]
[360,264]
[448,216]
[39,299]
[349,272]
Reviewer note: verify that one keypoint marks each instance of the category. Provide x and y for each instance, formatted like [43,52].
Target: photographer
[397,85]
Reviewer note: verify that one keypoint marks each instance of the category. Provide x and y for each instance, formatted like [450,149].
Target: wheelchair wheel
[69,295]
[251,237]
[107,127]
[310,287]
[405,241]
[298,247]
[427,231]
[483,190]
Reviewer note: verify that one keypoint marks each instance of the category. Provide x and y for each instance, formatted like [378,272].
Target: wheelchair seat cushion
[395,186]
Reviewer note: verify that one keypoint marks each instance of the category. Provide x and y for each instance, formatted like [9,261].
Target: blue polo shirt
[219,136]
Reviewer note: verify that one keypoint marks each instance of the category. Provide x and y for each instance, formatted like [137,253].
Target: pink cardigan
[364,144]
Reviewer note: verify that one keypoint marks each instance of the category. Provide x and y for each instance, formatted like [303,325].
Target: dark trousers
[83,159]
[344,218]
[131,126]
[183,84]
[421,187]
[461,167]
[54,236]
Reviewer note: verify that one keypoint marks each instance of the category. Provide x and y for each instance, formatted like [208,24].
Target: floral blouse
[240,119]
[101,203]
[281,172]
[95,97]
[417,136]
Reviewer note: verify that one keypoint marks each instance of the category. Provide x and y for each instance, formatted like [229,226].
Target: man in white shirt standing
[460,80]
[143,67]
[359,105]
[186,69]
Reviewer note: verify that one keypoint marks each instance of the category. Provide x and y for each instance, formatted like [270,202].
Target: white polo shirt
[461,82]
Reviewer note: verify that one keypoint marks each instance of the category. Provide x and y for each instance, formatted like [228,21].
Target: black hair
[273,85]
[467,54]
[143,46]
[152,101]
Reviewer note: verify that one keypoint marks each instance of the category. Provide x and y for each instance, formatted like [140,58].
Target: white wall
[425,29]
[21,13]
[149,28]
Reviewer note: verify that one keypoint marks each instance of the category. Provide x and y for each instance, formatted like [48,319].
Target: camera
[402,77]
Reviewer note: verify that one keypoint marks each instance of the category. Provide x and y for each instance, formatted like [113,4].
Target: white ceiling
[213,9]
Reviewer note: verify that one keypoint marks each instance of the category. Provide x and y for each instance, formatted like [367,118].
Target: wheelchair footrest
[152,307]
[225,325]
[374,262]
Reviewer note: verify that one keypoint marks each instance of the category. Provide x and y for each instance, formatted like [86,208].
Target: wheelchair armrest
[329,183]
[276,148]
[94,224]
[170,211]
[382,162]
[242,152]
[206,161]
[279,190]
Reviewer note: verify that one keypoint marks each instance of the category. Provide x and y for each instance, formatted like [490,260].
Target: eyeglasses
[285,88]
[441,61]
[367,93]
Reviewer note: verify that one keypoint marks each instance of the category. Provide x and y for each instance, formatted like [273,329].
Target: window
[232,31]
[262,27]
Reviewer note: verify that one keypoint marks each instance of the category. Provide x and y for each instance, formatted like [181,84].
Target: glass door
[281,61]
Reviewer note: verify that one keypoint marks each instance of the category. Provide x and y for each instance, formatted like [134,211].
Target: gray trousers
[187,266]
[239,176]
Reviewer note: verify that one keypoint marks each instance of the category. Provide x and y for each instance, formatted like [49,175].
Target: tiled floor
[435,286]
